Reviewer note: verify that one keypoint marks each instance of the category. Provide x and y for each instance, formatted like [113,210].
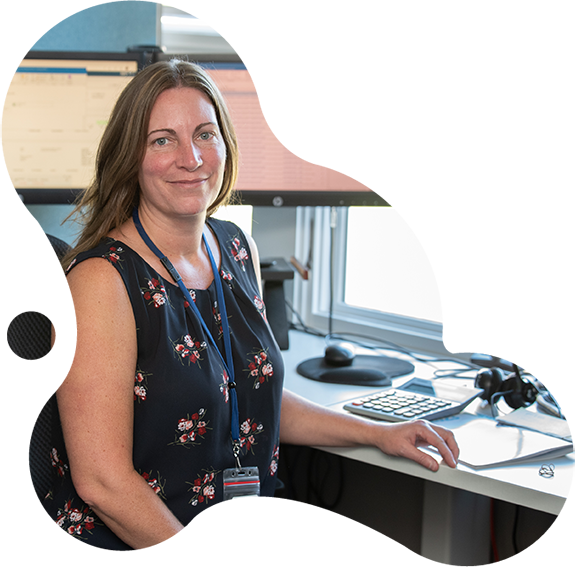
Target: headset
[517,391]
[501,378]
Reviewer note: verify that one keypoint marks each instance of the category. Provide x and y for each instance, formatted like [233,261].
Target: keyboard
[417,399]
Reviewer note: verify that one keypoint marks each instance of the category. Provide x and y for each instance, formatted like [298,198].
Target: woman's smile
[183,166]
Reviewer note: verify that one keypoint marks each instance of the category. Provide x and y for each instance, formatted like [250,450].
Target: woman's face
[184,160]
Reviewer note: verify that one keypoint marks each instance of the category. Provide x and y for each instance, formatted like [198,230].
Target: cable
[303,327]
[384,344]
[395,347]
[547,391]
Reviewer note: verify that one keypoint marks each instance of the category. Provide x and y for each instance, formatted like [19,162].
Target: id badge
[241,511]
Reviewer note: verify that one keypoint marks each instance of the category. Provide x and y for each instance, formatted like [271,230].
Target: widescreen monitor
[53,109]
[319,130]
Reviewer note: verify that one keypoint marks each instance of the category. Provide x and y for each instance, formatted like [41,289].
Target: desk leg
[455,526]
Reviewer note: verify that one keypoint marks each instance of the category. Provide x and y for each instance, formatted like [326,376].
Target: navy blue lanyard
[229,366]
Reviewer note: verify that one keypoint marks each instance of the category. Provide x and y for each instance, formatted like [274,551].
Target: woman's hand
[306,423]
[403,440]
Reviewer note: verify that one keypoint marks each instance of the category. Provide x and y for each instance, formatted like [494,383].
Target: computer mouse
[340,354]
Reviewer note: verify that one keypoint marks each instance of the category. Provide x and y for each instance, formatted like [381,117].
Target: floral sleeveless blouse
[182,410]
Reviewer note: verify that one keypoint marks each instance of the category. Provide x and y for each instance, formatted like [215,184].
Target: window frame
[514,83]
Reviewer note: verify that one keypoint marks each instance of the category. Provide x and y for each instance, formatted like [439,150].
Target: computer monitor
[320,130]
[53,109]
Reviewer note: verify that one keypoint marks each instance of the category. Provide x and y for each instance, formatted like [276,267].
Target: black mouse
[340,354]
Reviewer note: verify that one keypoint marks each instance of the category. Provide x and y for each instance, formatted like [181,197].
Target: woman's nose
[189,156]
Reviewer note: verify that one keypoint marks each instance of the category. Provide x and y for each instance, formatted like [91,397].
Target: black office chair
[27,260]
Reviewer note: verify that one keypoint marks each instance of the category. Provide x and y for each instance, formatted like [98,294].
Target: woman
[177,380]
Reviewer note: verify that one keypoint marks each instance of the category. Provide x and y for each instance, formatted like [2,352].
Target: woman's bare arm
[94,357]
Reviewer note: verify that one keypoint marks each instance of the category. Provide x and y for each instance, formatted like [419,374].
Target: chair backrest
[27,261]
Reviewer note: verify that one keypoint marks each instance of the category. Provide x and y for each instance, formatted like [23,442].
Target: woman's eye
[161,141]
[205,136]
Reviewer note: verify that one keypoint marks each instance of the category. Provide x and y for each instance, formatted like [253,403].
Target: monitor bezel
[310,197]
[54,196]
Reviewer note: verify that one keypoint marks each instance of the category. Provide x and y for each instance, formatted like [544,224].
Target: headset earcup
[489,380]
[522,393]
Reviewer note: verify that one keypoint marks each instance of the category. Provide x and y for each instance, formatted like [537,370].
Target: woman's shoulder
[110,249]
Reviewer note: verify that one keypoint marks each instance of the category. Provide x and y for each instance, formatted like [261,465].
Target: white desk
[518,484]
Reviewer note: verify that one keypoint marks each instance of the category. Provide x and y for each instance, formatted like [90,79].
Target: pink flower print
[239,253]
[112,254]
[227,277]
[141,386]
[203,488]
[155,293]
[57,463]
[75,515]
[260,368]
[209,492]
[182,350]
[245,427]
[190,428]
[155,484]
[224,387]
[188,348]
[60,521]
[70,265]
[260,306]
[187,424]
[249,429]
[140,392]
[75,521]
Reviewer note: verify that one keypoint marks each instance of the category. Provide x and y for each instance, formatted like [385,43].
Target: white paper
[483,443]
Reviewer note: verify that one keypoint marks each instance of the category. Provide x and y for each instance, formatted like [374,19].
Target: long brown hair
[109,200]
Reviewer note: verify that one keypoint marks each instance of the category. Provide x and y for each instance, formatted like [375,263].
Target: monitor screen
[53,109]
[318,130]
